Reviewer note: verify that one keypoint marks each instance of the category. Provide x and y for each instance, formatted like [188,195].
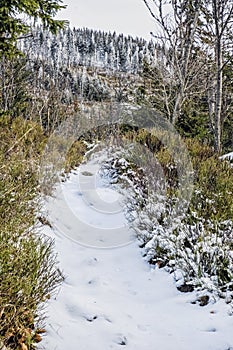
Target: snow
[111,298]
[228,156]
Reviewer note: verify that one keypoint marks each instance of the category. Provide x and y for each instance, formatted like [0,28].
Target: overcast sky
[123,16]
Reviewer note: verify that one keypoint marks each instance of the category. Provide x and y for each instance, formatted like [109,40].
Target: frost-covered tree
[90,48]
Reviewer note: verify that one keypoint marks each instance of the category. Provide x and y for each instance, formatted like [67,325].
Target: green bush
[75,155]
[214,183]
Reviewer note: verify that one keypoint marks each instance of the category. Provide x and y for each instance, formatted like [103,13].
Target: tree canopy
[16,16]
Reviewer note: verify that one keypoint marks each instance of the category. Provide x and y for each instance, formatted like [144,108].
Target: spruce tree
[13,26]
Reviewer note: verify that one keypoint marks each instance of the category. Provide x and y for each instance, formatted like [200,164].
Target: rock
[44,221]
[186,288]
[203,300]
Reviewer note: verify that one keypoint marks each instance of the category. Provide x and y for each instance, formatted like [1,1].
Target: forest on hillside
[90,48]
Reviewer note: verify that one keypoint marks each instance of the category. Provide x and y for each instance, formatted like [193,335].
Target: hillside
[88,65]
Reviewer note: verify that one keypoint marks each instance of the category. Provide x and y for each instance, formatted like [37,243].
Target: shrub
[197,245]
[75,155]
[27,263]
[200,244]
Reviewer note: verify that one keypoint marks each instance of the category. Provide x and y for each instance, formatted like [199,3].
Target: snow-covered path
[111,298]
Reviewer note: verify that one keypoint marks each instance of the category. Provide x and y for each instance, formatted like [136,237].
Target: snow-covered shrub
[199,244]
[197,247]
[203,251]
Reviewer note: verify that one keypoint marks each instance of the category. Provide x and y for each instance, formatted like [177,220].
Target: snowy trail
[111,299]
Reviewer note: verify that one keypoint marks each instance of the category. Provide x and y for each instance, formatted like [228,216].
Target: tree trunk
[219,96]
[217,10]
[177,107]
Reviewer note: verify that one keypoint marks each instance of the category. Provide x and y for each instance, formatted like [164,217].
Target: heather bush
[27,263]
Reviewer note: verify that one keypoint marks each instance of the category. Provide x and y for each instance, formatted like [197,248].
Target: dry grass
[28,266]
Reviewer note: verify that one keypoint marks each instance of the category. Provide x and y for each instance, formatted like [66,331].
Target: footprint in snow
[87,173]
[107,319]
[93,318]
[73,311]
[121,340]
[211,329]
[90,318]
[93,281]
[92,261]
[143,328]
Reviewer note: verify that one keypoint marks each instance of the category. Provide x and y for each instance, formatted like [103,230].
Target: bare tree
[14,82]
[177,22]
[197,39]
[217,22]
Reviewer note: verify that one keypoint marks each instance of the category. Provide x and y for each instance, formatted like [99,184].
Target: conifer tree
[13,26]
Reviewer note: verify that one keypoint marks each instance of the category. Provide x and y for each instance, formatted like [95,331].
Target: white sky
[123,16]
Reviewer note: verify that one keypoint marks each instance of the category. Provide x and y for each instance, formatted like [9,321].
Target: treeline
[89,48]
